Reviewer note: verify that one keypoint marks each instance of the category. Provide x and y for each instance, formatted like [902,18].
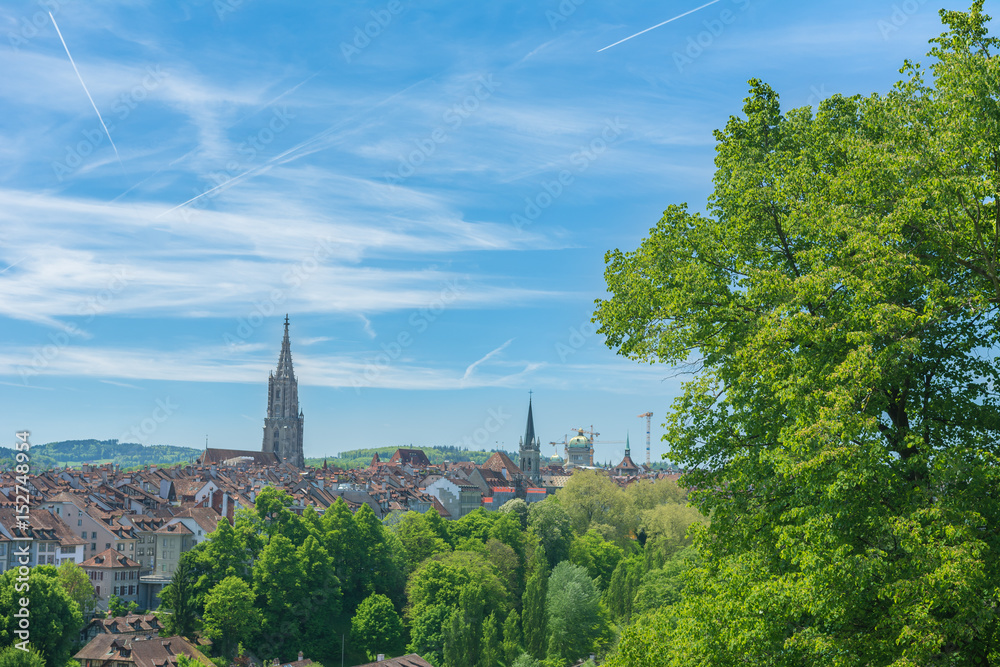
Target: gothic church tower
[530,450]
[283,425]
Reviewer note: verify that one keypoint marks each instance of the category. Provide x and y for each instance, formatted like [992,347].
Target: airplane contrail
[73,63]
[679,16]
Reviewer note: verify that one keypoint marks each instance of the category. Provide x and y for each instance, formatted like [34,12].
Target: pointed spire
[529,429]
[285,359]
[628,449]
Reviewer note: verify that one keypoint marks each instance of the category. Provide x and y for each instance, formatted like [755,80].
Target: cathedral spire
[285,359]
[529,428]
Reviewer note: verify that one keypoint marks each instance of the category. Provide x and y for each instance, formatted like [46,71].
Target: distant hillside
[125,454]
[360,458]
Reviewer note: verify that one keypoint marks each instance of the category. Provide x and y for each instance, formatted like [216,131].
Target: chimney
[300,656]
[381,657]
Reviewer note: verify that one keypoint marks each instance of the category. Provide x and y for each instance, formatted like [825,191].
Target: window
[98,591]
[79,522]
[131,590]
[83,534]
[116,590]
[93,536]
[93,546]
[107,545]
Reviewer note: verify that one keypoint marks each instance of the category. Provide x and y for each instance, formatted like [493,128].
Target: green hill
[125,454]
[360,458]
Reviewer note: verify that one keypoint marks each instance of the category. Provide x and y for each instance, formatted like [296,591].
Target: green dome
[579,441]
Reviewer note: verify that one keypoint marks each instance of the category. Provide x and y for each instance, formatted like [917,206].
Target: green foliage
[841,296]
[517,508]
[376,627]
[77,585]
[230,615]
[576,620]
[460,585]
[590,498]
[525,660]
[15,657]
[118,607]
[55,619]
[124,454]
[550,522]
[491,651]
[624,586]
[179,598]
[512,644]
[419,538]
[597,555]
[535,617]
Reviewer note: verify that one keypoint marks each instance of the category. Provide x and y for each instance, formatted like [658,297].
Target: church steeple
[530,449]
[529,429]
[283,424]
[285,358]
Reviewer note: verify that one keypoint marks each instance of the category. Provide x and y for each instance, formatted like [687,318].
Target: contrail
[679,16]
[71,62]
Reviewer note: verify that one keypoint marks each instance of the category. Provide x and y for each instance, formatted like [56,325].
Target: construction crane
[649,417]
[555,444]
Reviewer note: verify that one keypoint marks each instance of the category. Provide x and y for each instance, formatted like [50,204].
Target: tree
[590,498]
[841,425]
[55,619]
[230,615]
[178,597]
[441,586]
[518,509]
[15,657]
[277,588]
[575,617]
[319,602]
[376,627]
[597,555]
[491,652]
[383,569]
[419,538]
[550,522]
[512,644]
[535,618]
[77,585]
[117,607]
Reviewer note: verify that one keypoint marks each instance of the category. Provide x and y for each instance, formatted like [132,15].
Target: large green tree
[54,620]
[576,617]
[179,598]
[376,627]
[77,585]
[230,615]
[838,303]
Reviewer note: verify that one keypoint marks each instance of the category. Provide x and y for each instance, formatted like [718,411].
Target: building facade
[283,424]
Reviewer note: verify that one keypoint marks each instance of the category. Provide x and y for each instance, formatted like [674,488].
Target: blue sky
[428,189]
